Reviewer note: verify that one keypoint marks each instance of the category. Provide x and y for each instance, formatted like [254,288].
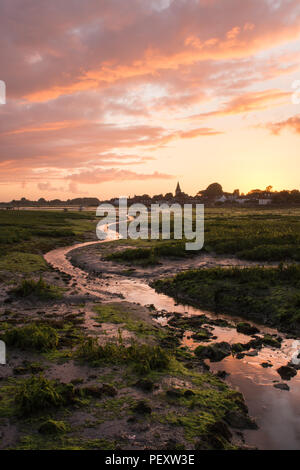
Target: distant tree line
[212,193]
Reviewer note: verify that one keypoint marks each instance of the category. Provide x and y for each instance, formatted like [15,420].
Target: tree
[213,190]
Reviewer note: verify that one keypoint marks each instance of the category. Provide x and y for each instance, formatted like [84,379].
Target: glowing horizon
[110,97]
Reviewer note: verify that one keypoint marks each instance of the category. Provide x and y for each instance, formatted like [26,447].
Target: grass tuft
[39,289]
[32,337]
[38,394]
[143,357]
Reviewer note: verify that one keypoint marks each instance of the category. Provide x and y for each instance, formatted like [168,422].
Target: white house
[264,202]
[222,198]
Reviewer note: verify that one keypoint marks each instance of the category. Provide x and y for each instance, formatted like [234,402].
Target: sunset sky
[113,97]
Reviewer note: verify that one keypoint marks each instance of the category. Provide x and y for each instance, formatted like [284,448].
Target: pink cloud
[292,123]
[103,176]
[249,102]
[98,84]
[80,46]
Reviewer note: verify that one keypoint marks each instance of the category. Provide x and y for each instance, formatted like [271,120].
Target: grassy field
[26,235]
[256,235]
[259,235]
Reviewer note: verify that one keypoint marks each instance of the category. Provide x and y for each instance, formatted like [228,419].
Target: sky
[121,97]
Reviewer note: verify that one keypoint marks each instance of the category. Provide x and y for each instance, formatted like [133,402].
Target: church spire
[178,189]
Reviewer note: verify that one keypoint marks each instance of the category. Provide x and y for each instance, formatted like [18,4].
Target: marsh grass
[144,358]
[52,427]
[268,295]
[27,262]
[150,256]
[40,289]
[255,234]
[38,394]
[25,235]
[62,442]
[197,413]
[32,337]
[119,315]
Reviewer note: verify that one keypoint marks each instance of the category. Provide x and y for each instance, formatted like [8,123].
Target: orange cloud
[96,85]
[293,123]
[249,102]
[204,131]
[152,42]
[47,127]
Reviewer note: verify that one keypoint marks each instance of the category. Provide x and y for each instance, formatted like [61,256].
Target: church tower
[178,191]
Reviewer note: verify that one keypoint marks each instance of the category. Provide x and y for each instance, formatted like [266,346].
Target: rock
[77,381]
[237,348]
[28,368]
[220,322]
[20,370]
[295,366]
[265,365]
[132,420]
[189,394]
[252,353]
[240,356]
[256,343]
[215,352]
[282,386]
[202,334]
[35,368]
[269,340]
[222,374]
[217,437]
[238,420]
[287,372]
[142,407]
[146,385]
[170,342]
[94,391]
[109,390]
[151,307]
[52,427]
[246,329]
[210,442]
[173,444]
[220,428]
[174,393]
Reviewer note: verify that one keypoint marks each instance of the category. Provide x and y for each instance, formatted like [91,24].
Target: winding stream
[277,412]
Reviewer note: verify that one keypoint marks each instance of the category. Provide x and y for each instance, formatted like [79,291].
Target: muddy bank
[147,389]
[92,259]
[253,372]
[268,296]
[108,404]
